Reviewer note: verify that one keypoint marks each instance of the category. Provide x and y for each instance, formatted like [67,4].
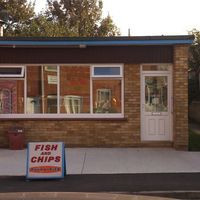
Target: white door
[156,116]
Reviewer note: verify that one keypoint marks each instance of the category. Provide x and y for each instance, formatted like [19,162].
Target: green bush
[194,141]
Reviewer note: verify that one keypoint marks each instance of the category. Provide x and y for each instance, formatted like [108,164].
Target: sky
[150,17]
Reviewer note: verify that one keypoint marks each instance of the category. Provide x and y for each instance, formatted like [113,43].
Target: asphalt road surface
[122,183]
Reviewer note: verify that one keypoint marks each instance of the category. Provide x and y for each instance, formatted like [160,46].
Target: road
[123,183]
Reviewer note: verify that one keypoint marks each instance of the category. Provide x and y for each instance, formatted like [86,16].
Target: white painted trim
[58,89]
[122,91]
[91,92]
[42,85]
[61,64]
[141,104]
[62,116]
[25,91]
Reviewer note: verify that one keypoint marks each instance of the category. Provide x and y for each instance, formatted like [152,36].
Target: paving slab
[140,160]
[110,161]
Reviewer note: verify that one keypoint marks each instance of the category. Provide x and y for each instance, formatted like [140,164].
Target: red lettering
[54,147]
[50,158]
[57,159]
[40,159]
[46,159]
[33,159]
[37,147]
[47,147]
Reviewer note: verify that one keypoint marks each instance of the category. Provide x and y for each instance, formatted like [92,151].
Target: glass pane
[10,70]
[11,96]
[155,67]
[156,94]
[41,89]
[100,71]
[75,89]
[107,96]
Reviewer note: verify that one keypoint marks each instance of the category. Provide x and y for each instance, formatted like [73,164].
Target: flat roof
[94,41]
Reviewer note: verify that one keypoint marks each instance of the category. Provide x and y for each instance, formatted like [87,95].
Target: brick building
[96,92]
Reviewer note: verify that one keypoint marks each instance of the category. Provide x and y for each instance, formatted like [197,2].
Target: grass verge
[194,141]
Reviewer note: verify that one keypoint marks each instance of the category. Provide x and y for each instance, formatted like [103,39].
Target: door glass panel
[156,94]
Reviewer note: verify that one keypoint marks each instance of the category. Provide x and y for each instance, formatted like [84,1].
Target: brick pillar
[180,96]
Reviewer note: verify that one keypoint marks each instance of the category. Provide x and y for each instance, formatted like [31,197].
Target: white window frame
[21,75]
[59,115]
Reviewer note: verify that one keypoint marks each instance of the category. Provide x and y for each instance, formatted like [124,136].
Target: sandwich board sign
[45,160]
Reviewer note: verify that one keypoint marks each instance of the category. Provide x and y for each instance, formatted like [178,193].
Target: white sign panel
[52,79]
[45,160]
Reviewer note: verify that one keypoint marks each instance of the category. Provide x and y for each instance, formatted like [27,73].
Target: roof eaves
[7,43]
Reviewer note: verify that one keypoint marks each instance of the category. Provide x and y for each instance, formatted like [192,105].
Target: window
[75,89]
[62,91]
[13,71]
[73,104]
[160,67]
[41,90]
[107,71]
[107,89]
[11,96]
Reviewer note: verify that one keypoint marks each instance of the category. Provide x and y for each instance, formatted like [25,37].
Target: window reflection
[75,89]
[11,96]
[155,67]
[41,89]
[156,94]
[106,96]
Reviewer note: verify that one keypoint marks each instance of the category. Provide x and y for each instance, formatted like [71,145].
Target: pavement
[110,161]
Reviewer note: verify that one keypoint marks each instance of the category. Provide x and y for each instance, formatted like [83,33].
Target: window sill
[63,117]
